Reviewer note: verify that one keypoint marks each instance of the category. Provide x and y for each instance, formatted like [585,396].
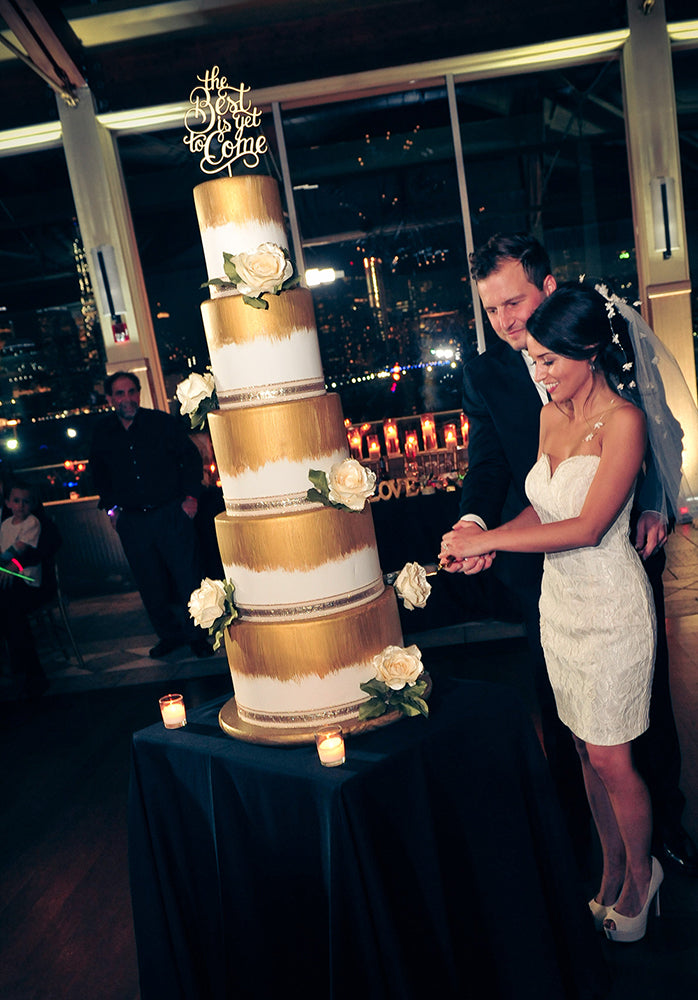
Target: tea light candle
[174,715]
[428,431]
[374,446]
[330,746]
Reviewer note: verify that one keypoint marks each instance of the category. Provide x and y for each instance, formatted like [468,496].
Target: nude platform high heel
[633,928]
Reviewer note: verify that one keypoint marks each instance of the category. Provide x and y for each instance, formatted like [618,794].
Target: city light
[320,276]
[12,444]
[71,432]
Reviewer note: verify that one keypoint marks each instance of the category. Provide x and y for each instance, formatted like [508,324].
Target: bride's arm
[622,450]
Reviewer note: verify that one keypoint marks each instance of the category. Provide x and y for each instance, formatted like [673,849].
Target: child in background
[19,536]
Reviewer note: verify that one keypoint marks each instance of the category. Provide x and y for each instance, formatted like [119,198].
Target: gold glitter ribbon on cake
[317,609]
[268,393]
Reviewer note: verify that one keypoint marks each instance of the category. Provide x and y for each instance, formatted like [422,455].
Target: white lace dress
[597,615]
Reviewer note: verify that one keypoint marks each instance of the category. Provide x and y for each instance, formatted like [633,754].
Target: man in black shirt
[148,476]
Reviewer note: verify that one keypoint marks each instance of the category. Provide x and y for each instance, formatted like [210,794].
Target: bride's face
[563,377]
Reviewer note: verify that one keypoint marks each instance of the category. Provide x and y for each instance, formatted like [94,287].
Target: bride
[596,609]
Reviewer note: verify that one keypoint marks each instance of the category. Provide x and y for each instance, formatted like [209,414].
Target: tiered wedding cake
[308,586]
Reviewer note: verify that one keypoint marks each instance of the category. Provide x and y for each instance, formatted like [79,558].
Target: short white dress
[598,628]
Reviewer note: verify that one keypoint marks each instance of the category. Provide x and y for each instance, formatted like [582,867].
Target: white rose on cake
[194,390]
[262,270]
[412,586]
[397,667]
[207,604]
[351,484]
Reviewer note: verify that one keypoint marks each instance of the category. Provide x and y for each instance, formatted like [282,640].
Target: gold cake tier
[289,431]
[231,321]
[287,363]
[300,565]
[241,200]
[318,648]
[297,541]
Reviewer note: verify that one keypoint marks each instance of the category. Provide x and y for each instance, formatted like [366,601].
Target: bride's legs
[631,822]
[612,846]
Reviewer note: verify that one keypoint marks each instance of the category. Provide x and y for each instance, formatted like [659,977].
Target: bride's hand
[464,549]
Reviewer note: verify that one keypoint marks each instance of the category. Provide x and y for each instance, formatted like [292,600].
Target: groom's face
[509,298]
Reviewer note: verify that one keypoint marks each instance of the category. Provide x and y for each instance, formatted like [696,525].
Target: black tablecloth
[433,863]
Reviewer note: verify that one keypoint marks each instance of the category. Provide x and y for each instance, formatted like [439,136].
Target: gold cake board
[233,725]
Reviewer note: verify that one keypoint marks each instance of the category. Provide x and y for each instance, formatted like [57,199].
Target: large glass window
[376,194]
[685,66]
[545,153]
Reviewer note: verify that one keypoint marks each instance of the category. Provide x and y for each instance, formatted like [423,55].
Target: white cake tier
[288,674]
[301,565]
[260,355]
[236,215]
[265,453]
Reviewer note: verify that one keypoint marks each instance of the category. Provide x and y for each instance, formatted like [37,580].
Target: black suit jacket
[503,409]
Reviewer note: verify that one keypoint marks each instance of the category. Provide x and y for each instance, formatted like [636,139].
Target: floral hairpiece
[611,302]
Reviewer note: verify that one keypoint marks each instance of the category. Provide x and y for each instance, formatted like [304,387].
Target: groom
[503,406]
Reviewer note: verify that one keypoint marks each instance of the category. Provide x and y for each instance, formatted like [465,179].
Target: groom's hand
[454,545]
[651,533]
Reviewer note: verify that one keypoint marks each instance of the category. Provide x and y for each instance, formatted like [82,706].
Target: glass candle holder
[428,431]
[174,714]
[450,438]
[392,443]
[354,439]
[374,447]
[411,444]
[464,429]
[330,746]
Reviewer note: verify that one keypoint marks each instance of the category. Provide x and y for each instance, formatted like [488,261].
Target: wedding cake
[313,609]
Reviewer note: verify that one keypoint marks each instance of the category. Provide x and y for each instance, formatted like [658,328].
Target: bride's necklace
[598,423]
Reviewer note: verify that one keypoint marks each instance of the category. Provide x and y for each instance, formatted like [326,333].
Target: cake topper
[217,121]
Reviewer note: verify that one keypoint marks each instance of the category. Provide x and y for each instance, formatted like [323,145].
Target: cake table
[433,863]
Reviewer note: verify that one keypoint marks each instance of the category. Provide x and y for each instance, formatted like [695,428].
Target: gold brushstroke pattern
[238,201]
[300,430]
[288,651]
[229,320]
[268,393]
[300,541]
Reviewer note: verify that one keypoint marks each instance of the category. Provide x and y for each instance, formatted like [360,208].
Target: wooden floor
[65,919]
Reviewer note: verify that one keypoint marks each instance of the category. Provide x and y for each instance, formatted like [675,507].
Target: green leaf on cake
[375,687]
[372,709]
[315,497]
[256,303]
[230,269]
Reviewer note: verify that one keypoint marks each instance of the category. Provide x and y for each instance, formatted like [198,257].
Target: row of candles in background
[439,451]
[358,436]
[329,741]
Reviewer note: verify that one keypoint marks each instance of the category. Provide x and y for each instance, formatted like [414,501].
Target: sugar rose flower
[263,270]
[193,390]
[208,602]
[351,484]
[412,586]
[396,666]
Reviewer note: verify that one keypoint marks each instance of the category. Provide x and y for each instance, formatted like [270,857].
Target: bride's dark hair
[574,322]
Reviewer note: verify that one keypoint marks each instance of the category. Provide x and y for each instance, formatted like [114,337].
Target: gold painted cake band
[318,608]
[267,393]
[239,200]
[299,718]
